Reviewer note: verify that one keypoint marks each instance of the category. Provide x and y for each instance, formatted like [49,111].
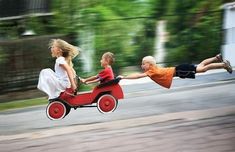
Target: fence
[14,8]
[21,61]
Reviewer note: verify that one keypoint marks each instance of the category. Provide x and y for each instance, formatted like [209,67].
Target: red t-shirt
[106,75]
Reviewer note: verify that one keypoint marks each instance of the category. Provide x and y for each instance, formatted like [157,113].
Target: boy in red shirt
[106,74]
[164,76]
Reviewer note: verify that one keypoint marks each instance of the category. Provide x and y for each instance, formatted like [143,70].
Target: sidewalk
[211,130]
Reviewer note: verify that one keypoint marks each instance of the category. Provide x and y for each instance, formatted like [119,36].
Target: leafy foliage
[195,30]
[194,27]
[112,32]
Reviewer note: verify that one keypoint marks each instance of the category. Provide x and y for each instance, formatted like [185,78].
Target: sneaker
[228,67]
[219,57]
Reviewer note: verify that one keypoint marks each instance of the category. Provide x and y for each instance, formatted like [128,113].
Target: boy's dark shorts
[185,71]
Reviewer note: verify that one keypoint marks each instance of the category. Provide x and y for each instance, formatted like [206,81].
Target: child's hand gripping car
[105,96]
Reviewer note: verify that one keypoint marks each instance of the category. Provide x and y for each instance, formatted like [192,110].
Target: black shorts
[185,71]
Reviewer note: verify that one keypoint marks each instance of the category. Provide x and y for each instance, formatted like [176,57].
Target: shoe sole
[219,57]
[229,67]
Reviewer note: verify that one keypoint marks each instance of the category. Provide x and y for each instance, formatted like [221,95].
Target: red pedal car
[105,96]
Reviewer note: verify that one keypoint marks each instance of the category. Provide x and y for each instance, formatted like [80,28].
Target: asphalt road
[141,100]
[193,116]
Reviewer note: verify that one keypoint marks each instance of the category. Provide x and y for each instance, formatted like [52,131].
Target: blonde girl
[54,82]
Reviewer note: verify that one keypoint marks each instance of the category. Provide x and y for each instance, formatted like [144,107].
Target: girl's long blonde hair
[68,50]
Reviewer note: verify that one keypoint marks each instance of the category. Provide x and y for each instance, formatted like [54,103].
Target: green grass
[23,103]
[33,102]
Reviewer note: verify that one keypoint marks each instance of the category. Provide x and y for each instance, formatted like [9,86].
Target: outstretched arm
[134,76]
[92,79]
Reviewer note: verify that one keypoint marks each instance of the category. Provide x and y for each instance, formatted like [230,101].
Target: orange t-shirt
[162,76]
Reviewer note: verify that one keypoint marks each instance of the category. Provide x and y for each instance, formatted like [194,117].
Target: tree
[112,32]
[192,24]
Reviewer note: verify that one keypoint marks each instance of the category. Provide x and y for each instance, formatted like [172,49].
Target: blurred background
[172,31]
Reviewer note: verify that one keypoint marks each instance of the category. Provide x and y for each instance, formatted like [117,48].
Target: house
[228,48]
[14,12]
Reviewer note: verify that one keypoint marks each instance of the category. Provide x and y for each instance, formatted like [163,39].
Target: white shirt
[60,72]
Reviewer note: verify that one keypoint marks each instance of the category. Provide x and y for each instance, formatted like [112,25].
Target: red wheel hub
[106,103]
[56,110]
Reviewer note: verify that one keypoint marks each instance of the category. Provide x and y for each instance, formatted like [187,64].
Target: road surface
[194,115]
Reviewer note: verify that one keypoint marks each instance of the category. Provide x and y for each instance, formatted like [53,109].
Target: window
[229,35]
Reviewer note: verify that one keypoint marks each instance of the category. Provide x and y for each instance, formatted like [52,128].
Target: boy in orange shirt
[164,76]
